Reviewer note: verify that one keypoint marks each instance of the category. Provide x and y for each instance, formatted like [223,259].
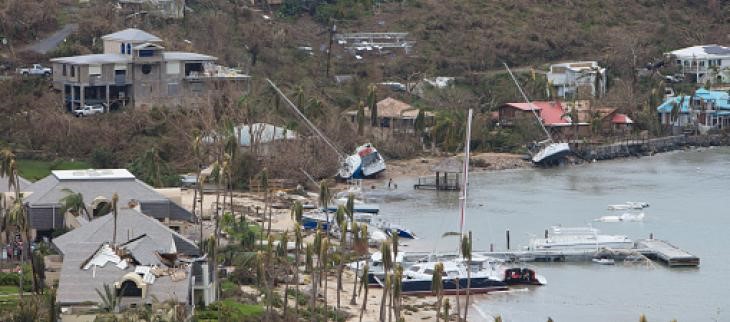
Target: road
[49,43]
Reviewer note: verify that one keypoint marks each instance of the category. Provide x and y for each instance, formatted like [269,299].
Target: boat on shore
[365,163]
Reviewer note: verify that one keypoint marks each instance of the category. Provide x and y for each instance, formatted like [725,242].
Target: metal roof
[702,52]
[132,35]
[551,113]
[92,174]
[93,59]
[181,55]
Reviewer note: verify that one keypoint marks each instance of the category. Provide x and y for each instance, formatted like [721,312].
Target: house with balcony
[701,64]
[706,108]
[135,70]
[582,79]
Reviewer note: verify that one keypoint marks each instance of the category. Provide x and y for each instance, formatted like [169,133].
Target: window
[146,69]
[719,62]
[63,70]
[702,63]
[121,48]
[94,70]
[146,53]
[73,71]
[173,68]
[172,89]
[129,49]
[679,62]
[686,63]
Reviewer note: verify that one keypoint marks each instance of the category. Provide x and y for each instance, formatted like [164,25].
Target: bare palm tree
[437,287]
[360,248]
[397,289]
[324,199]
[298,240]
[264,182]
[466,253]
[115,200]
[342,223]
[385,250]
[364,283]
[324,260]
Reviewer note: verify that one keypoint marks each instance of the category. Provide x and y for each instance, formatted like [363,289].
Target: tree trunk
[364,303]
[296,280]
[353,300]
[438,307]
[468,289]
[326,309]
[383,301]
[458,296]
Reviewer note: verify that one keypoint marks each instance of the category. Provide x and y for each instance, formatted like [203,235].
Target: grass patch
[230,310]
[37,169]
[8,289]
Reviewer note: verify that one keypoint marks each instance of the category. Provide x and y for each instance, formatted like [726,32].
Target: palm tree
[359,248]
[342,223]
[74,202]
[324,200]
[109,300]
[195,147]
[373,105]
[297,211]
[298,249]
[281,252]
[360,118]
[323,268]
[199,188]
[466,247]
[437,287]
[397,288]
[385,250]
[18,213]
[364,283]
[264,182]
[150,163]
[115,200]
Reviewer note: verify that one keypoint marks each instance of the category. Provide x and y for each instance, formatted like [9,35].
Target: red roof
[619,118]
[550,112]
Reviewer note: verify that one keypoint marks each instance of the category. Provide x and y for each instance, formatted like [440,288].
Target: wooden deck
[666,253]
[430,183]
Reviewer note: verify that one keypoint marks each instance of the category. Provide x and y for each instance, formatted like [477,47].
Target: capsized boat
[365,163]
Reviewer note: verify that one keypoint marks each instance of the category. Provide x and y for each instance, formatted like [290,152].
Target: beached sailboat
[365,163]
[548,151]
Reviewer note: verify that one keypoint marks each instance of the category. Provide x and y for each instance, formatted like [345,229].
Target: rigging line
[465,183]
[532,106]
[311,125]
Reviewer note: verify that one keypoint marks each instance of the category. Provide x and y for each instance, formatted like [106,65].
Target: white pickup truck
[37,69]
[88,110]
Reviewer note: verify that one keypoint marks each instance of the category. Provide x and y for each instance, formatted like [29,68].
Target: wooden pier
[667,253]
[447,173]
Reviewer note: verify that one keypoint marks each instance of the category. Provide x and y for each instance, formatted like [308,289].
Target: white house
[703,63]
[577,78]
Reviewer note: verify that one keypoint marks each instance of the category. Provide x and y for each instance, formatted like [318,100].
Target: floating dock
[654,249]
[667,253]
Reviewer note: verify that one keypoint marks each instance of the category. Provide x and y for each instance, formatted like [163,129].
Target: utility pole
[333,29]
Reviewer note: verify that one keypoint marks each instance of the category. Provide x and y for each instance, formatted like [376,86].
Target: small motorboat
[629,205]
[604,260]
[624,217]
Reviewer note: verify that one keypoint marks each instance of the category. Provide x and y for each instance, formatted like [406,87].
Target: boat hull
[479,285]
[551,154]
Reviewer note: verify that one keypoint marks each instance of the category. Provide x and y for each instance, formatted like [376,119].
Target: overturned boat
[365,163]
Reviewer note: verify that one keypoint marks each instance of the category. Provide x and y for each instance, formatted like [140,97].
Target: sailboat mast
[465,177]
[306,120]
[532,106]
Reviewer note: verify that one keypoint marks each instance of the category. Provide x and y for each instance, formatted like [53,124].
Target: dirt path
[50,43]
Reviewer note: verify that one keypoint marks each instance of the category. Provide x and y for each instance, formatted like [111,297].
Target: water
[689,196]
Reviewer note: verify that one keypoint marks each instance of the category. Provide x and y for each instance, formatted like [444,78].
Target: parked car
[188,180]
[37,70]
[87,110]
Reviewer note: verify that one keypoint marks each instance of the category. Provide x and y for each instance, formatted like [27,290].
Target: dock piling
[507,239]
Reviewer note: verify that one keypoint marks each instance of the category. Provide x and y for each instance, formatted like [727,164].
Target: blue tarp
[667,106]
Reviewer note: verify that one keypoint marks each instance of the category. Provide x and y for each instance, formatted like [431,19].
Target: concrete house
[135,70]
[704,63]
[581,79]
[97,188]
[708,108]
[147,265]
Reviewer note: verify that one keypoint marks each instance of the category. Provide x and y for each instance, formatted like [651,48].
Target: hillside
[466,39]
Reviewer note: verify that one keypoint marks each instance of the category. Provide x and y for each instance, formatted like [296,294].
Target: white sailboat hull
[551,153]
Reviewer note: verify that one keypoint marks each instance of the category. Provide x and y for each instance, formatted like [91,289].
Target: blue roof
[719,98]
[666,107]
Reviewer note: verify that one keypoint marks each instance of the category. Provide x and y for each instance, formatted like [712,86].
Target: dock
[653,249]
[667,253]
[446,177]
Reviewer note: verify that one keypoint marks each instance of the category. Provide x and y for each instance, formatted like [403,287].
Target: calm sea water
[689,193]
